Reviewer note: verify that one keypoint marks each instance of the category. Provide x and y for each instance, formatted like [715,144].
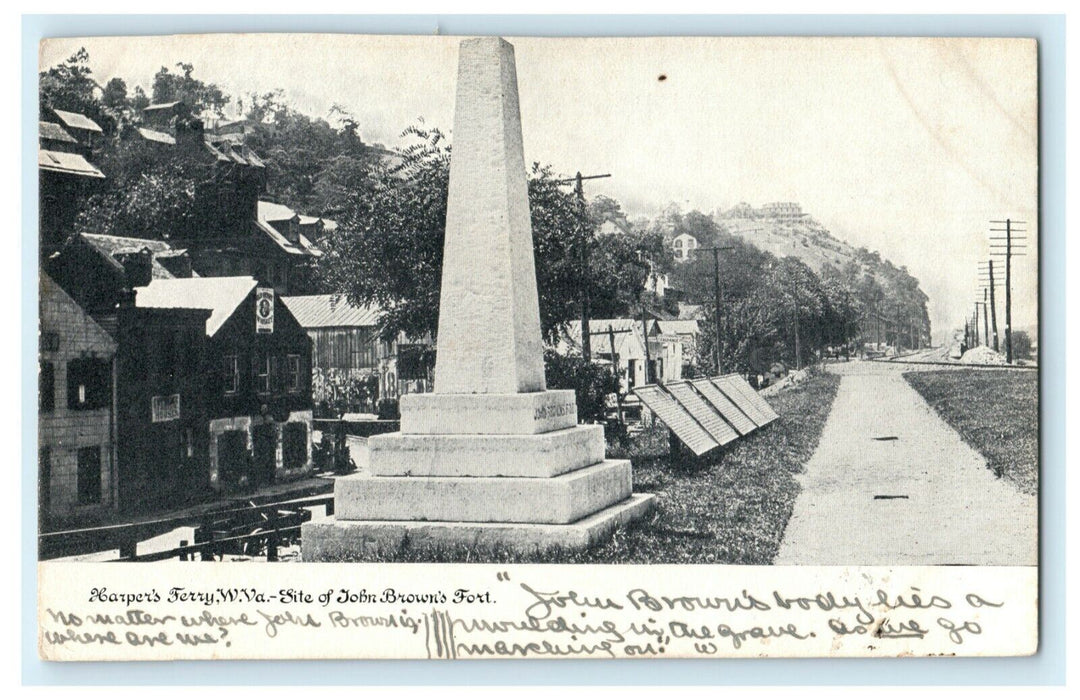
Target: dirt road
[893,484]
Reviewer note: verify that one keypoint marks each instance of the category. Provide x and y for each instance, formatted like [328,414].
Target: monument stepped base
[330,539]
[561,499]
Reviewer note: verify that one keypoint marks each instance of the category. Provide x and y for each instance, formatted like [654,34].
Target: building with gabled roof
[82,127]
[665,351]
[76,385]
[53,137]
[258,375]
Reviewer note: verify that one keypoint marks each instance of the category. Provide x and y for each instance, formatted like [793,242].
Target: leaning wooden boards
[675,417]
[708,413]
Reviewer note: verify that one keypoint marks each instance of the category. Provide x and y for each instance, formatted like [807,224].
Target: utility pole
[644,321]
[718,353]
[798,347]
[986,321]
[976,322]
[583,261]
[1009,246]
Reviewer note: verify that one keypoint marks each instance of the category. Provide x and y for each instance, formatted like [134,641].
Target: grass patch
[730,511]
[996,412]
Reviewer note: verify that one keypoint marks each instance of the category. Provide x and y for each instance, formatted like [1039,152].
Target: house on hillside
[233,232]
[258,374]
[65,178]
[783,211]
[346,349]
[85,130]
[76,396]
[683,247]
[100,271]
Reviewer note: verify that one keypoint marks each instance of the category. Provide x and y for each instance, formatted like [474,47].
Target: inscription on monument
[554,410]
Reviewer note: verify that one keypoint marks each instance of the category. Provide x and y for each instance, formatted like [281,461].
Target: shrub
[591,383]
[1021,345]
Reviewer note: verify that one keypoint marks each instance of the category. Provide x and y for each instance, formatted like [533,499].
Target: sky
[910,147]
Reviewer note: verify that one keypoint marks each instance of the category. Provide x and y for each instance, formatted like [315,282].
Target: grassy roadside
[996,412]
[731,511]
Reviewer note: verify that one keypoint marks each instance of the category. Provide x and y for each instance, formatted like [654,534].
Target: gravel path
[941,504]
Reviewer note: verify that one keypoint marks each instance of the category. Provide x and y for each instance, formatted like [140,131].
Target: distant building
[665,356]
[258,399]
[76,427]
[783,211]
[346,347]
[684,246]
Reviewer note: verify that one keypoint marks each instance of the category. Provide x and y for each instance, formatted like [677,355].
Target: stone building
[76,426]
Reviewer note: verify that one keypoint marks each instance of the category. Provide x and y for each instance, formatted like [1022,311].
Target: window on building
[231,378]
[89,383]
[294,439]
[294,230]
[89,475]
[187,443]
[293,373]
[261,365]
[46,387]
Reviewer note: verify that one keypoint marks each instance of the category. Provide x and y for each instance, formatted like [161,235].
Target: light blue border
[1046,668]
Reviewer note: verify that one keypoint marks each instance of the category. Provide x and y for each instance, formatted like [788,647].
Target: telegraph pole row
[986,279]
[583,260]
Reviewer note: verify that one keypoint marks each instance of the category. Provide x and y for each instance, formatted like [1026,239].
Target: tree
[70,86]
[203,98]
[311,165]
[151,191]
[388,251]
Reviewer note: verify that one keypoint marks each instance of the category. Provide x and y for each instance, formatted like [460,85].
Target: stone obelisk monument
[491,457]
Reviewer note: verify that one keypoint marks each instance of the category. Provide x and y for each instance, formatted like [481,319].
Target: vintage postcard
[502,347]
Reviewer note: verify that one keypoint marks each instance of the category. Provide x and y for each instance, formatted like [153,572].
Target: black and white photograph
[764,302]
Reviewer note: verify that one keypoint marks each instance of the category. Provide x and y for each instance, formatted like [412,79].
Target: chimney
[189,132]
[138,267]
[179,266]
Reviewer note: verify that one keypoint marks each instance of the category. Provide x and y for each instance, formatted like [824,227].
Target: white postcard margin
[191,610]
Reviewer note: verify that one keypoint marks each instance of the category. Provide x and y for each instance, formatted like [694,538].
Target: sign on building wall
[264,310]
[164,408]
